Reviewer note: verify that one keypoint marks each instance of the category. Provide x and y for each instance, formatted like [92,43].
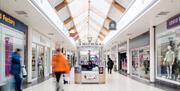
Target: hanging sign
[112,25]
[12,22]
[72,34]
[173,21]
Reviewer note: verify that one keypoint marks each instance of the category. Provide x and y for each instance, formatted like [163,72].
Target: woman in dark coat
[110,64]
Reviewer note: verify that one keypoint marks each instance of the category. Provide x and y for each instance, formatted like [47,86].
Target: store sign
[93,44]
[12,22]
[112,25]
[72,34]
[173,21]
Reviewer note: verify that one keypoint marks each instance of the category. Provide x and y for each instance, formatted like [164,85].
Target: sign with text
[173,21]
[12,22]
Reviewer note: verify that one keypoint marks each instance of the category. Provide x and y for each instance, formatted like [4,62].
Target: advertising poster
[101,69]
[7,56]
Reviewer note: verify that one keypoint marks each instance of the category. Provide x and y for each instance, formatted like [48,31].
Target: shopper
[16,69]
[60,66]
[110,64]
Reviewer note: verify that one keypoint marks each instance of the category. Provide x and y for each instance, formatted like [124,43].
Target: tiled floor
[115,82]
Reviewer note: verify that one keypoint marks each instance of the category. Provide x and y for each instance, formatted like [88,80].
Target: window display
[34,61]
[12,36]
[40,61]
[144,58]
[135,62]
[141,62]
[168,54]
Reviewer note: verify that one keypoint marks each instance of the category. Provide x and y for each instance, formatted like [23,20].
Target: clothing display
[168,54]
[169,59]
[141,62]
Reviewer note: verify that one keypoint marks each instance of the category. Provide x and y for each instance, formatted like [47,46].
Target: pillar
[29,68]
[128,59]
[117,59]
[152,56]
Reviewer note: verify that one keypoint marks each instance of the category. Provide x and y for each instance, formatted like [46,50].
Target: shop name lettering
[7,19]
[174,21]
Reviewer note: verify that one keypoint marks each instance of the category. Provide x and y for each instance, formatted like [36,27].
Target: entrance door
[119,59]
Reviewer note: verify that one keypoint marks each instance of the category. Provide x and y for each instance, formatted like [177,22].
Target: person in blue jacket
[16,69]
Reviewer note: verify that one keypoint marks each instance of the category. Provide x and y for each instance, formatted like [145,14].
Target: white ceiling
[99,10]
[34,18]
[148,19]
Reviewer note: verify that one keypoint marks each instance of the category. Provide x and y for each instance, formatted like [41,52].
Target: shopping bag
[24,72]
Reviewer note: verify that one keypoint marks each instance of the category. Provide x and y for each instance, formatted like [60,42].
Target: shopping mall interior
[109,45]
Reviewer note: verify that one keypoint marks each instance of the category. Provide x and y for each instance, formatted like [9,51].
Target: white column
[29,54]
[128,59]
[117,60]
[152,57]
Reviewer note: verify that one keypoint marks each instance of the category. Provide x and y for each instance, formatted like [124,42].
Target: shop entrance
[122,58]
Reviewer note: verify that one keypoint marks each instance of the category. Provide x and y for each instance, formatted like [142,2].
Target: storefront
[122,58]
[91,67]
[40,56]
[168,50]
[12,36]
[140,56]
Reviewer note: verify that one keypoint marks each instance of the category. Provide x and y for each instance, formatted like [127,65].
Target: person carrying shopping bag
[16,69]
[60,66]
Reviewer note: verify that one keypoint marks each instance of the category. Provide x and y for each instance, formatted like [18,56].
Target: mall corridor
[81,42]
[115,82]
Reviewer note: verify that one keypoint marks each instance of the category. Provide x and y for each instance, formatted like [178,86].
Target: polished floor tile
[115,82]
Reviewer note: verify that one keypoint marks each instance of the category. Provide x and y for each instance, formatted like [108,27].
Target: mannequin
[169,60]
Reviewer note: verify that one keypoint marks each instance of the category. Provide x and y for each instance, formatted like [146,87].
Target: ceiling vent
[163,13]
[50,33]
[21,12]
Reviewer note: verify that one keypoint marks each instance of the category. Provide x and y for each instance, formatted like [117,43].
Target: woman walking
[60,66]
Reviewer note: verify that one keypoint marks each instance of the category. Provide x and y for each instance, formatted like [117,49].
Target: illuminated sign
[173,21]
[12,22]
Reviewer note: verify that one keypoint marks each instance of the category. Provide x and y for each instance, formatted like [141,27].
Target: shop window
[141,62]
[168,54]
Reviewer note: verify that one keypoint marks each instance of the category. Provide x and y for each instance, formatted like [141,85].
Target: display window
[135,62]
[144,62]
[141,62]
[12,36]
[168,53]
[10,40]
[47,58]
[41,60]
[34,61]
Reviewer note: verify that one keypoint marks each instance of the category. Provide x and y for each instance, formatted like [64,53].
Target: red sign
[72,34]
